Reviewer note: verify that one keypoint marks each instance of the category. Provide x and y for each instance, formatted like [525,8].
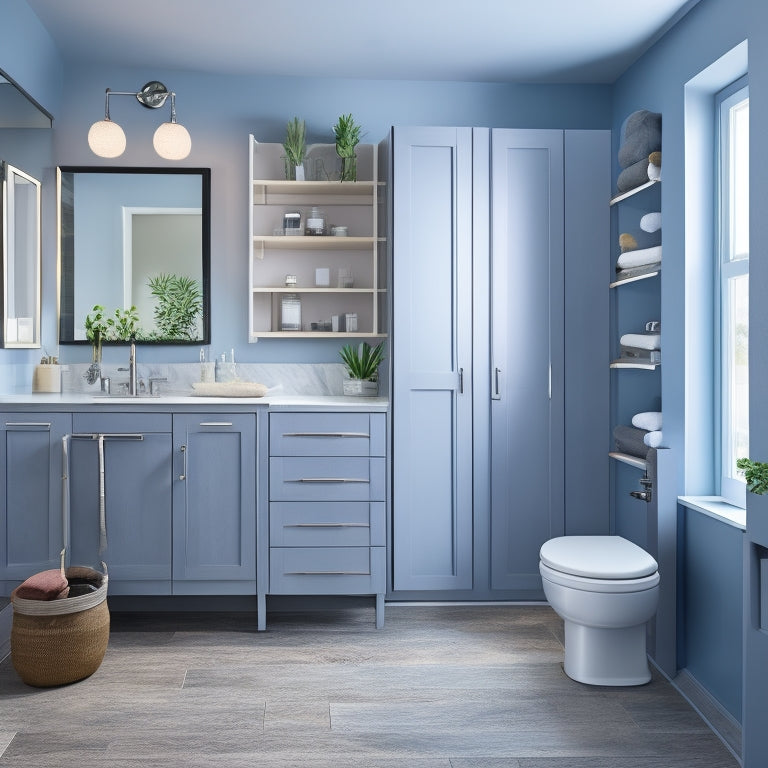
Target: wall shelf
[626,458]
[357,205]
[625,195]
[629,362]
[633,278]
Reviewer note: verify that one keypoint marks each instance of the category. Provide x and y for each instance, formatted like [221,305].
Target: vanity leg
[261,612]
[380,611]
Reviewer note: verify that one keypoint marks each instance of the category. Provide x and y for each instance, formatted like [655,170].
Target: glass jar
[316,223]
[290,308]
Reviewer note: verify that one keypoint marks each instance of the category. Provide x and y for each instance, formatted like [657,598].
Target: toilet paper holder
[646,494]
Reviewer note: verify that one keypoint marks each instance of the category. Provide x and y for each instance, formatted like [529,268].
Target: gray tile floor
[438,687]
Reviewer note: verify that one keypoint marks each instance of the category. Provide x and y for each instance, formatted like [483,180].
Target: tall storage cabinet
[482,236]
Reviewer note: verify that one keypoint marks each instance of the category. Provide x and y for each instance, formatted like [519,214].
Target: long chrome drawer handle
[326,525]
[329,480]
[46,424]
[327,573]
[215,423]
[326,434]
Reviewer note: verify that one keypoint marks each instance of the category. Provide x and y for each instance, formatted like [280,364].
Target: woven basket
[54,642]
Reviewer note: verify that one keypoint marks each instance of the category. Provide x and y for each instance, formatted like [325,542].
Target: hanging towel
[651,222]
[639,258]
[650,420]
[641,340]
[653,439]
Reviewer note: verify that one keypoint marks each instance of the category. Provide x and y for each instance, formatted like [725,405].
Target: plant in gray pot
[362,365]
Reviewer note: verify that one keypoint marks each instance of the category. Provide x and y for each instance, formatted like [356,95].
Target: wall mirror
[135,237]
[20,229]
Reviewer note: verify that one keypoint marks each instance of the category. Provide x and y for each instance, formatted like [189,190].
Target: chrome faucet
[133,389]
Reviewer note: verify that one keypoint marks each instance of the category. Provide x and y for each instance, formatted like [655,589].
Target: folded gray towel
[640,136]
[633,176]
[630,440]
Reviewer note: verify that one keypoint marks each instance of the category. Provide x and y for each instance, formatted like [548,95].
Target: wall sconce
[171,140]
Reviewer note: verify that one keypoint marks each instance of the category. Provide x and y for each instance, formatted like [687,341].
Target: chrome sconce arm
[171,140]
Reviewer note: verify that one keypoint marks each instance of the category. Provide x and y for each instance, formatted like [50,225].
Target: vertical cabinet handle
[496,388]
[183,476]
[461,381]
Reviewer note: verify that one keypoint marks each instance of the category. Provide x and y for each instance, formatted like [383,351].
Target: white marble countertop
[79,401]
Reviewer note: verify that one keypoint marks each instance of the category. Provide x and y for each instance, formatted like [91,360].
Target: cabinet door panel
[137,485]
[214,497]
[432,342]
[527,352]
[30,500]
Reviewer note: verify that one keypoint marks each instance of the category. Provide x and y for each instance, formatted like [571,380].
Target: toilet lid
[597,557]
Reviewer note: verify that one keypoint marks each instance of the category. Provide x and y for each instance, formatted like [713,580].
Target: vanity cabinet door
[214,503]
[137,485]
[30,500]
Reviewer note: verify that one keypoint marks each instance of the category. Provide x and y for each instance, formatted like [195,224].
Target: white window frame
[732,485]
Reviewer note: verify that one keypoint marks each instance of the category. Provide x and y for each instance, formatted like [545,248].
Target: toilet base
[597,656]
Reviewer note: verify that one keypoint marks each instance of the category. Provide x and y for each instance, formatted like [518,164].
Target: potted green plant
[295,149]
[756,475]
[100,327]
[347,134]
[362,367]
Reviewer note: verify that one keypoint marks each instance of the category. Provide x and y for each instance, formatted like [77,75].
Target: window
[732,330]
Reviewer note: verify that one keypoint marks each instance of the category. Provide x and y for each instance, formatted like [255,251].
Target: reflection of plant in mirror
[179,304]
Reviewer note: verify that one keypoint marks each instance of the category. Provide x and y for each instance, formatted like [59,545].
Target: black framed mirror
[135,238]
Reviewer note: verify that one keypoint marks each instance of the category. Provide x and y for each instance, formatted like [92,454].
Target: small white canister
[46,378]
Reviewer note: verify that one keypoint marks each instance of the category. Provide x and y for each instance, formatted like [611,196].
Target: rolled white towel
[651,222]
[641,340]
[654,172]
[650,420]
[639,258]
[653,439]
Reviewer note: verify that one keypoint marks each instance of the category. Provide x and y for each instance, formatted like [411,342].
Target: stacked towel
[651,222]
[650,420]
[630,440]
[653,439]
[641,340]
[640,150]
[639,258]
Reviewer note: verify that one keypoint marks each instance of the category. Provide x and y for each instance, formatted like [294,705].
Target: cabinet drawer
[327,570]
[327,434]
[326,524]
[133,423]
[316,478]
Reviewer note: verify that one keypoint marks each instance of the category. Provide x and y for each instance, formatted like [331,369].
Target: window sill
[718,508]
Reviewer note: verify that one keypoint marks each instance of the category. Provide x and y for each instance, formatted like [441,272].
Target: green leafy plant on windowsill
[362,362]
[756,475]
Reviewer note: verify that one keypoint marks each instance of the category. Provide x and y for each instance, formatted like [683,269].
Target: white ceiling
[574,41]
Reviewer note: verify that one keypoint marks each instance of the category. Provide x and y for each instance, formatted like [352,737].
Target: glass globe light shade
[106,139]
[172,141]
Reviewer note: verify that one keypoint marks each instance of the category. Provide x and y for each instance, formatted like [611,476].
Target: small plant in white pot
[362,364]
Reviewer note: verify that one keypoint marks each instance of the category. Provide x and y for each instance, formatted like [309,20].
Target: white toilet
[605,589]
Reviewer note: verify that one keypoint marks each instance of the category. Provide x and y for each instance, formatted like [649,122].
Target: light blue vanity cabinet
[30,500]
[214,503]
[498,353]
[327,505]
[137,486]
